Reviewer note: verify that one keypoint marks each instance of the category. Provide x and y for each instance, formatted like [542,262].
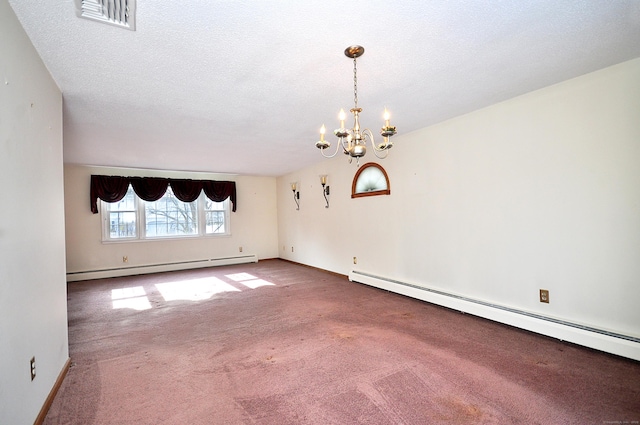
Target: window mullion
[201,215]
[142,218]
[105,211]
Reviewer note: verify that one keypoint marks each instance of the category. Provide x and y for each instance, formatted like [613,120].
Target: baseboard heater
[161,267]
[599,339]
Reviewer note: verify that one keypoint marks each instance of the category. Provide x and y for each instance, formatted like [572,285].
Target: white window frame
[105,210]
[202,215]
[141,224]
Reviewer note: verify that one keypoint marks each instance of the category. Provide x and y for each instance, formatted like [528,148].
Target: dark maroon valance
[149,188]
[219,191]
[187,190]
[113,189]
[107,188]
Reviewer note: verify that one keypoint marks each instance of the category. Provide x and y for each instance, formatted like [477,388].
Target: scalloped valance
[113,189]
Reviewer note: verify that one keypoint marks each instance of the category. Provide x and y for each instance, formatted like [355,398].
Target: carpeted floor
[279,343]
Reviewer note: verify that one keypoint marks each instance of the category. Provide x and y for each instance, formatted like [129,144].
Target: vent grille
[120,13]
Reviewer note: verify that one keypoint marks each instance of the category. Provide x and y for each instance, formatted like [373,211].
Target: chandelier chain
[355,83]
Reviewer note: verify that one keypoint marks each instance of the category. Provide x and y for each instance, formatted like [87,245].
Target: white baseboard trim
[157,268]
[599,339]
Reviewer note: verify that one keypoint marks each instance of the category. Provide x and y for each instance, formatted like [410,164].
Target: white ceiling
[242,87]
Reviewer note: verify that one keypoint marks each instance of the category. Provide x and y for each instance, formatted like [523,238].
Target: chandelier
[354,140]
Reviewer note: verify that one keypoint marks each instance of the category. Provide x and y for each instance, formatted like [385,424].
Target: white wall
[33,302]
[541,191]
[253,225]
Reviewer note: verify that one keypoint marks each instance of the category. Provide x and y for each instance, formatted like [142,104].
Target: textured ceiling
[242,87]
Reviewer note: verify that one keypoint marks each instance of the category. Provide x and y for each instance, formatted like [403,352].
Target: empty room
[313,212]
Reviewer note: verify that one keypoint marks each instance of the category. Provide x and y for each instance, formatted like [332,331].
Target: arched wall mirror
[370,180]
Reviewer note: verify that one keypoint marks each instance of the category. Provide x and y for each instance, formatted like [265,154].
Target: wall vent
[121,13]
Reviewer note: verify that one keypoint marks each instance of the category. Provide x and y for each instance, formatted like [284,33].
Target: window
[215,216]
[168,216]
[134,219]
[371,179]
[122,217]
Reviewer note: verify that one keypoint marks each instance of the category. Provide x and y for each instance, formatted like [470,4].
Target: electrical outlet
[355,260]
[240,249]
[291,249]
[32,364]
[544,296]
[125,259]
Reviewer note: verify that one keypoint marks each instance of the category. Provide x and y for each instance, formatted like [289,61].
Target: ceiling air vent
[121,13]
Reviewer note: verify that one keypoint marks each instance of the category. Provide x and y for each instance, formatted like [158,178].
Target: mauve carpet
[279,343]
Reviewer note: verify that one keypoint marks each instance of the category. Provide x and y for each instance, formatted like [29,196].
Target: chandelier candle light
[354,140]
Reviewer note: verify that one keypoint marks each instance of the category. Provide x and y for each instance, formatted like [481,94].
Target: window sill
[168,238]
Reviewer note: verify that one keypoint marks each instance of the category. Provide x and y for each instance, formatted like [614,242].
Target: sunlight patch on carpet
[133,297]
[194,290]
[248,280]
[256,283]
[238,277]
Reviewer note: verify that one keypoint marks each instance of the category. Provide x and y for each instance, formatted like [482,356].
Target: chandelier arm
[368,135]
[386,144]
[348,141]
[383,156]
[334,153]
[344,143]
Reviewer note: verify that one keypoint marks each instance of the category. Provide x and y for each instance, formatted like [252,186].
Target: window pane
[122,217]
[215,213]
[122,224]
[215,222]
[169,216]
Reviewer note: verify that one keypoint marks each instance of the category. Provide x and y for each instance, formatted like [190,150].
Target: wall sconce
[296,194]
[325,188]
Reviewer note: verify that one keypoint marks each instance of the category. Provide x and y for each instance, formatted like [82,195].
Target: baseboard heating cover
[157,268]
[599,339]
